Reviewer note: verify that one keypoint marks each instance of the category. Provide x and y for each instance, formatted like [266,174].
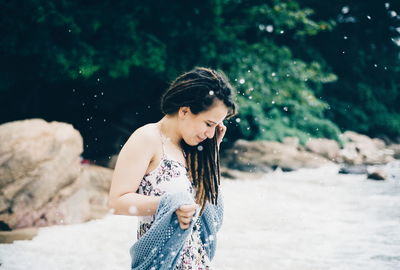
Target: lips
[200,139]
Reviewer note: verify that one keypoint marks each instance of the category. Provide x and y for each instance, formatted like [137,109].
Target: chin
[193,143]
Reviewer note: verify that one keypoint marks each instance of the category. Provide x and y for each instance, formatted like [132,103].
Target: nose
[210,132]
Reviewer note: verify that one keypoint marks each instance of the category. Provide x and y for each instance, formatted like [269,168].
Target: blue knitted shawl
[161,245]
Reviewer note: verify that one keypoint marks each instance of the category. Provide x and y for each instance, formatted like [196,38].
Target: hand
[185,214]
[221,130]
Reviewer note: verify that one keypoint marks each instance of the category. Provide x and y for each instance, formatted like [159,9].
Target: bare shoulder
[145,137]
[148,131]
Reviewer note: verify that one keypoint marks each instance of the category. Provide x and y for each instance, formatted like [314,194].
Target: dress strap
[162,140]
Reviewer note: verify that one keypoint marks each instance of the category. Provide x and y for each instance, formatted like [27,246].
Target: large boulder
[42,179]
[263,156]
[96,183]
[360,149]
[291,141]
[329,149]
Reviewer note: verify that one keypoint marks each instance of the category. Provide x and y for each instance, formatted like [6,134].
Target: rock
[19,234]
[396,150]
[291,141]
[41,178]
[233,174]
[327,148]
[380,144]
[353,169]
[377,175]
[261,156]
[39,158]
[361,149]
[113,161]
[98,182]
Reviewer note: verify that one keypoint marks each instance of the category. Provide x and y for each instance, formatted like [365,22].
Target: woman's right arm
[132,163]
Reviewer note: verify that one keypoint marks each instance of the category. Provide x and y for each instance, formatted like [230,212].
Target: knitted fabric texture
[160,247]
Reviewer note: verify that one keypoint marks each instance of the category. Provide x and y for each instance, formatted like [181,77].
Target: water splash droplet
[133,210]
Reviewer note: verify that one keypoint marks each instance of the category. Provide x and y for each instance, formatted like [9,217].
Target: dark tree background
[302,68]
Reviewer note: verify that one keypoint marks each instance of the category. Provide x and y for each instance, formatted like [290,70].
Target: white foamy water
[304,220]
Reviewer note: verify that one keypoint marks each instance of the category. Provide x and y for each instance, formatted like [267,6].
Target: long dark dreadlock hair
[198,89]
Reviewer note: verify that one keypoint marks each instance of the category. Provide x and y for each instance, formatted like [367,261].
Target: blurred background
[302,68]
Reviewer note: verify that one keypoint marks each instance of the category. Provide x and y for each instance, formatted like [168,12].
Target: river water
[312,219]
[309,219]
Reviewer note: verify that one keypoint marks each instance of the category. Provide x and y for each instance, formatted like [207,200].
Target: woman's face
[195,128]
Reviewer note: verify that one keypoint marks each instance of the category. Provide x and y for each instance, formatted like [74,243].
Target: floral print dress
[172,176]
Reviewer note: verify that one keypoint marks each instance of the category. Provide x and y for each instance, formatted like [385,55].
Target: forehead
[215,113]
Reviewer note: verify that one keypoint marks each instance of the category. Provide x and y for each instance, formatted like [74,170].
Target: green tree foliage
[276,91]
[59,40]
[284,57]
[365,57]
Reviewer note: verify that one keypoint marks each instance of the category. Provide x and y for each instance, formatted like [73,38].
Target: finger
[191,213]
[186,215]
[185,220]
[188,207]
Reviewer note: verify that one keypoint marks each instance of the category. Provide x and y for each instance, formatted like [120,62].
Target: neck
[169,128]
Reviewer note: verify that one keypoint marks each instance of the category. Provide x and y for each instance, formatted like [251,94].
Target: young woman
[176,154]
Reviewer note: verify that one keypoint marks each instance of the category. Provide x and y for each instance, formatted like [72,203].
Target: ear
[184,111]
